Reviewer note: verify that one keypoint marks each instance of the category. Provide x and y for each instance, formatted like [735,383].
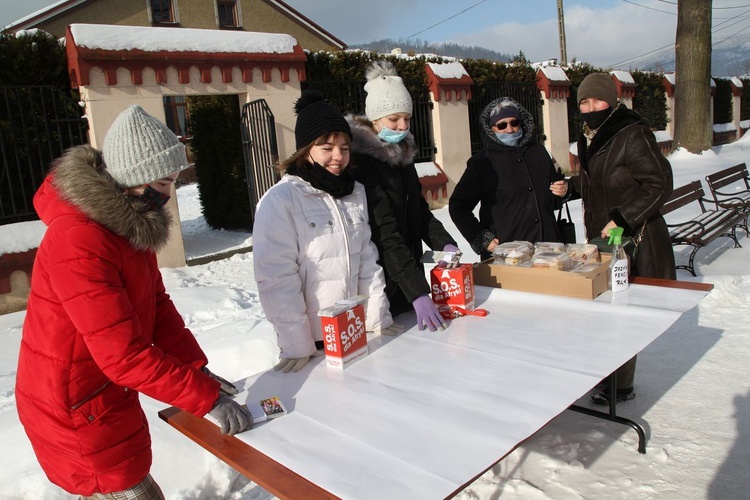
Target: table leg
[611,415]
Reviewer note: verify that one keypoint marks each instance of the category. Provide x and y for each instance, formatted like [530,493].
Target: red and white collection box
[453,287]
[344,333]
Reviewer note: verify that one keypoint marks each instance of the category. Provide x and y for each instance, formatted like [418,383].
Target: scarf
[337,186]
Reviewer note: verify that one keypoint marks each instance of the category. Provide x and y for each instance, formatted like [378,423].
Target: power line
[444,20]
[712,8]
[738,18]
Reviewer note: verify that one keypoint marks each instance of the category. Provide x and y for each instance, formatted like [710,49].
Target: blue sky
[604,33]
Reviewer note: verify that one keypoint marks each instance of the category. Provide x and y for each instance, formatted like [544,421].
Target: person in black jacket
[624,181]
[513,179]
[383,152]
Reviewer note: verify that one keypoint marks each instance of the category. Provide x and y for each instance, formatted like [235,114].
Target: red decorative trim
[553,89]
[81,60]
[449,86]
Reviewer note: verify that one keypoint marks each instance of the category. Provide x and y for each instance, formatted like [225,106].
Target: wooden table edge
[251,463]
[685,285]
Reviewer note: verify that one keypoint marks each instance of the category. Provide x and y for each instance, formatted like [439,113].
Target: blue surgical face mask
[510,139]
[391,136]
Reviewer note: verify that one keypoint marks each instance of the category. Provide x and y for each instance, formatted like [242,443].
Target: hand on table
[428,315]
[390,331]
[296,364]
[232,416]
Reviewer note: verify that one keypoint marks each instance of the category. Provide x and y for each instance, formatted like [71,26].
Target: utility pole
[561,29]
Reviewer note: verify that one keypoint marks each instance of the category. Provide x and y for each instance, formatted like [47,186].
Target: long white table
[426,413]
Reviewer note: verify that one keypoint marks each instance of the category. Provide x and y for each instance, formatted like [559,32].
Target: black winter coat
[400,217]
[511,184]
[625,178]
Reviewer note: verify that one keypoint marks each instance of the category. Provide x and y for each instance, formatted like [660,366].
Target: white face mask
[510,139]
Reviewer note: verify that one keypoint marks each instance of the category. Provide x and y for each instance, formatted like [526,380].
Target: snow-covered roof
[56,9]
[148,39]
[623,76]
[555,74]
[448,70]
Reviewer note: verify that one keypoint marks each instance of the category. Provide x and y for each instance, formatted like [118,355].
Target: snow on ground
[693,383]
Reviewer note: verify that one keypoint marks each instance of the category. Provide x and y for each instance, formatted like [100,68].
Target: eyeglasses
[513,123]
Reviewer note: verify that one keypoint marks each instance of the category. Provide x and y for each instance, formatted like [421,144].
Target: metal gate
[525,93]
[260,149]
[37,123]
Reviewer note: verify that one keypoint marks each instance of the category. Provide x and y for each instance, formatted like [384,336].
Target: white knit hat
[139,149]
[386,94]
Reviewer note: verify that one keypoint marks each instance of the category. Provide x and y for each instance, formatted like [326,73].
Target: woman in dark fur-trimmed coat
[511,179]
[383,152]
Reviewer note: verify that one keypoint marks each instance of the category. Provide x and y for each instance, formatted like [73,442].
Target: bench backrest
[683,195]
[728,176]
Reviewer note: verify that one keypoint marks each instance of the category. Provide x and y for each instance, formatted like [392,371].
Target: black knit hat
[316,118]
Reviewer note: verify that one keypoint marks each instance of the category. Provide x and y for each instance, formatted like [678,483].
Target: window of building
[176,114]
[227,13]
[162,12]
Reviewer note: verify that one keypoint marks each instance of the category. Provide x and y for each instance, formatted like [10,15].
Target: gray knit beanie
[139,149]
[598,86]
[386,93]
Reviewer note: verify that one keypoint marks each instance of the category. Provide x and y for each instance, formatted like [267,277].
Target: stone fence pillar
[736,108]
[450,90]
[669,82]
[625,87]
[554,85]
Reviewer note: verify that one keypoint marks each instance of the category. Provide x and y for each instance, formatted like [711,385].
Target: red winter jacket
[99,329]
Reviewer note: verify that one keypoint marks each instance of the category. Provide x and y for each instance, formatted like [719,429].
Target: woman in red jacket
[100,327]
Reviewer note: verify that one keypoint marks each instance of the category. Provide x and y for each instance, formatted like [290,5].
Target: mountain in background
[729,58]
[385,46]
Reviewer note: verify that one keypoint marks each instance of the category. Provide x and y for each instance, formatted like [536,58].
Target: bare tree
[692,95]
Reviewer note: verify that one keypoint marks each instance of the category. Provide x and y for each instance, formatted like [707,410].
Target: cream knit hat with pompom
[386,93]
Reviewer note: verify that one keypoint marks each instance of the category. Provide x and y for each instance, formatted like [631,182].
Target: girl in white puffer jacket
[311,237]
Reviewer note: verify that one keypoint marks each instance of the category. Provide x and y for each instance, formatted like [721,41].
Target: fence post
[736,102]
[669,84]
[554,85]
[450,90]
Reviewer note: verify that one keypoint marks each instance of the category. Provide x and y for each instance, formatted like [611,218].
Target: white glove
[296,364]
[232,416]
[392,330]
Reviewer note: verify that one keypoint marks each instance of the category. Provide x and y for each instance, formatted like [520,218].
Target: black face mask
[595,119]
[154,199]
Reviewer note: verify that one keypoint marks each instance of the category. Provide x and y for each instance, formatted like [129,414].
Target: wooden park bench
[704,227]
[719,184]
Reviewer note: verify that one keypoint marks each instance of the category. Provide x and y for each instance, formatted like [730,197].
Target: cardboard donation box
[585,285]
[344,332]
[453,287]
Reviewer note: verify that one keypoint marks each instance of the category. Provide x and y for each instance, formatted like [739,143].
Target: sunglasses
[513,123]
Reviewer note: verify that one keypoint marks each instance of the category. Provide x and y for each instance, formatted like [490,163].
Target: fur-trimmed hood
[489,137]
[78,182]
[365,141]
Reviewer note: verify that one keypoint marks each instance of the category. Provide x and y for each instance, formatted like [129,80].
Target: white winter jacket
[309,251]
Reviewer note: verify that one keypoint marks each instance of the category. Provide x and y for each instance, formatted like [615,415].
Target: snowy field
[692,384]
